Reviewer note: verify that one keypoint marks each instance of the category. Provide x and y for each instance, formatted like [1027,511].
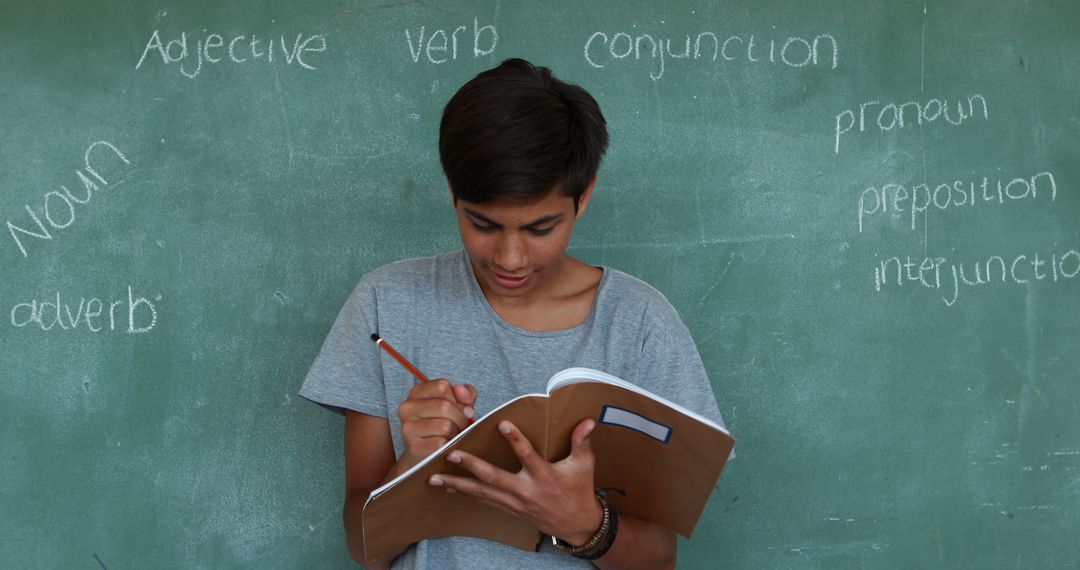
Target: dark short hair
[515,132]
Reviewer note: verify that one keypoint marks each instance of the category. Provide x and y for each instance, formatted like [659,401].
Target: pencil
[408,366]
[386,346]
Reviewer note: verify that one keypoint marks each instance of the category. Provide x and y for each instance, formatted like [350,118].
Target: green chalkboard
[866,212]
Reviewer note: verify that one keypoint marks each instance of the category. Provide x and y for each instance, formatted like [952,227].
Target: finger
[440,388]
[429,428]
[479,490]
[465,394]
[580,441]
[522,447]
[415,409]
[483,471]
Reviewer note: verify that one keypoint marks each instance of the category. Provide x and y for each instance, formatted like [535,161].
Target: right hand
[433,413]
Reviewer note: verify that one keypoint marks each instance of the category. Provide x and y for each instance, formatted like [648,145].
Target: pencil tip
[375,337]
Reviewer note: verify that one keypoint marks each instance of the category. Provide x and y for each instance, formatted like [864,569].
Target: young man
[520,150]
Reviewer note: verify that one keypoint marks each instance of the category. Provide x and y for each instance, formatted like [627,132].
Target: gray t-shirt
[433,312]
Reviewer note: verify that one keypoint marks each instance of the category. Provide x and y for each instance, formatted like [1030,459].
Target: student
[520,150]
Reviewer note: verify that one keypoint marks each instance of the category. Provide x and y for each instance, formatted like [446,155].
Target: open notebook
[657,461]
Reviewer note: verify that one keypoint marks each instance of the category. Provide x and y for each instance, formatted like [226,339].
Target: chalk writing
[892,116]
[239,49]
[94,314]
[58,208]
[922,197]
[441,47]
[939,272]
[603,50]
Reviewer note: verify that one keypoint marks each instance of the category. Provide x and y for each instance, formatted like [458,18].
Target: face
[518,250]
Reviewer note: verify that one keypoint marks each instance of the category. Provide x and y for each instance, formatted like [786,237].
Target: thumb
[580,444]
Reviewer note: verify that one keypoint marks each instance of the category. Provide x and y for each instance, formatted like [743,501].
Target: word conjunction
[603,50]
[441,47]
[238,50]
[58,208]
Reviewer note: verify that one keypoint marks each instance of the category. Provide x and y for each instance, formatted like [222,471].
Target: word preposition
[897,198]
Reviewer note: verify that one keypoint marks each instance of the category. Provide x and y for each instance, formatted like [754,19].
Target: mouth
[510,281]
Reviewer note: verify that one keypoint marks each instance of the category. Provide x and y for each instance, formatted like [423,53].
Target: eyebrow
[537,222]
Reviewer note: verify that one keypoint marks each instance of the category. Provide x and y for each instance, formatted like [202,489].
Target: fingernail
[469,412]
[435,481]
[454,457]
[504,427]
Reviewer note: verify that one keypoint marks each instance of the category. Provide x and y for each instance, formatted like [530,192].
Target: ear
[583,202]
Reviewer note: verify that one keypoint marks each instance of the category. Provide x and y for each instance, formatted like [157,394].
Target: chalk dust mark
[731,95]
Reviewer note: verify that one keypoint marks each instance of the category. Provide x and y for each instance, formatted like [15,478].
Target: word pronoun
[239,49]
[94,314]
[602,50]
[441,47]
[875,200]
[892,116]
[1020,270]
[59,207]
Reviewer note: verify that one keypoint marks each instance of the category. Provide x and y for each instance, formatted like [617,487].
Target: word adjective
[601,50]
[445,46]
[996,269]
[878,200]
[59,207]
[892,116]
[49,314]
[239,49]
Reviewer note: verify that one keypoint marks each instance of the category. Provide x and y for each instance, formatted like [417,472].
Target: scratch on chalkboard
[922,57]
[922,141]
[98,558]
[680,245]
[1028,375]
[396,5]
[719,278]
[284,118]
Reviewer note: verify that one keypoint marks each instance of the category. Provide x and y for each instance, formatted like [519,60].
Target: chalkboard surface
[866,212]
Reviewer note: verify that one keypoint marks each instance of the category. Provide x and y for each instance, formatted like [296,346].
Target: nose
[510,253]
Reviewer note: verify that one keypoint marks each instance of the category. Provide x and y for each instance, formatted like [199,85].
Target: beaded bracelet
[601,541]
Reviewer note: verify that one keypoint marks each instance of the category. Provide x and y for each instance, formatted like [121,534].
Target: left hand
[557,498]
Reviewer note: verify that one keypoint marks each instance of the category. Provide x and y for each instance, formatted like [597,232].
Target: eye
[541,231]
[483,228]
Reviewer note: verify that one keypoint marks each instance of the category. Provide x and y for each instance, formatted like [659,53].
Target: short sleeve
[671,365]
[346,374]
